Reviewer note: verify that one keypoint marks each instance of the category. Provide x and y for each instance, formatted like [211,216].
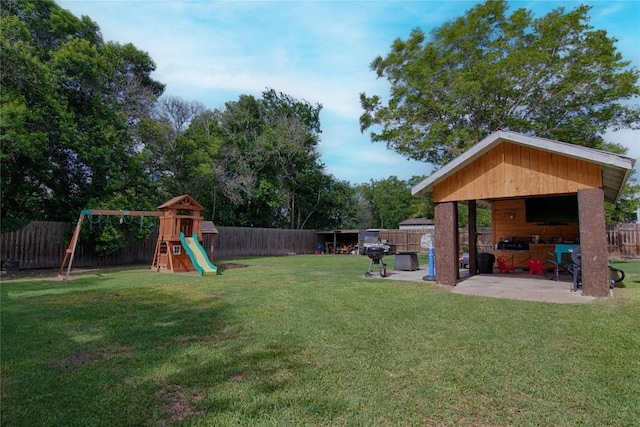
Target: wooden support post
[593,243]
[473,238]
[446,247]
[71,250]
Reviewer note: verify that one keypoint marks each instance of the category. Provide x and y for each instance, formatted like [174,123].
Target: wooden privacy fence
[409,240]
[42,244]
[236,242]
[623,241]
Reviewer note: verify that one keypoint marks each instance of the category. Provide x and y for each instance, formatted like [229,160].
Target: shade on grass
[308,340]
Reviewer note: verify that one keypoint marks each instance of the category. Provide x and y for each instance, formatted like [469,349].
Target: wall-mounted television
[552,210]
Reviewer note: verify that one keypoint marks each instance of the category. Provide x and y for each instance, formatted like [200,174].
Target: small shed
[338,241]
[513,173]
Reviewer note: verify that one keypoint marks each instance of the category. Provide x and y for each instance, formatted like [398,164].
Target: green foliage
[334,206]
[554,77]
[390,202]
[386,203]
[109,234]
[69,107]
[109,241]
[252,163]
[483,216]
[421,207]
[81,122]
[13,224]
[626,207]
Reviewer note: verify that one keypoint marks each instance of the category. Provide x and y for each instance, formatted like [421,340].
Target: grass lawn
[308,340]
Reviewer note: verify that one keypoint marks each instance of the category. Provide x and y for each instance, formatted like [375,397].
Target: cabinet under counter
[519,259]
[541,250]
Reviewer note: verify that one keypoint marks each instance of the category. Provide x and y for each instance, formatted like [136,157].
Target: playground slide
[198,255]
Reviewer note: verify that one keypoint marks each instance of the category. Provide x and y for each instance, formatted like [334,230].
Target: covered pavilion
[504,171]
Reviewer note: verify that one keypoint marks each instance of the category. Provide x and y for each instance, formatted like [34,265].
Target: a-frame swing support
[70,252]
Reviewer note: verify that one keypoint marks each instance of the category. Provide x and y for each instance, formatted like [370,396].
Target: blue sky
[318,51]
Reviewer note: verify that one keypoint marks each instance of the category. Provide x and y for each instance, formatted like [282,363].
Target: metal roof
[615,168]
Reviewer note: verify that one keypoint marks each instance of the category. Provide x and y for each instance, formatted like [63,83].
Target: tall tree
[554,77]
[390,201]
[264,164]
[242,195]
[323,202]
[69,107]
[172,157]
[293,129]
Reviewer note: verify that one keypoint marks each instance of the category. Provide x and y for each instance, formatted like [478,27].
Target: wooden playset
[178,248]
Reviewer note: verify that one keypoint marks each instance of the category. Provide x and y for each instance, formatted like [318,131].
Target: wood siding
[513,170]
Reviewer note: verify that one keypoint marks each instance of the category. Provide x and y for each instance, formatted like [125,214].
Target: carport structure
[506,169]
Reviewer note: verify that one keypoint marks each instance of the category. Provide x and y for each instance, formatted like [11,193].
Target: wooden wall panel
[563,182]
[508,219]
[509,166]
[510,170]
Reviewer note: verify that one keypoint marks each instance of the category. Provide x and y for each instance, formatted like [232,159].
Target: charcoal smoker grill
[375,248]
[376,253]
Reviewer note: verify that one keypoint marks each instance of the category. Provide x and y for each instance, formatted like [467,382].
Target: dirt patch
[76,360]
[176,405]
[29,274]
[51,273]
[230,266]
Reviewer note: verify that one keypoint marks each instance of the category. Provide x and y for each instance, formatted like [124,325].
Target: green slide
[198,255]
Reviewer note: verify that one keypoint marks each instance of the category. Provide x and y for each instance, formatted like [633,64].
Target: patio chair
[536,266]
[576,268]
[503,267]
[559,264]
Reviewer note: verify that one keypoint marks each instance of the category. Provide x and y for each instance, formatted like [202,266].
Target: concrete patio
[519,285]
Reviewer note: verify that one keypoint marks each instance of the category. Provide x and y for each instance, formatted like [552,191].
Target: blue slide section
[198,255]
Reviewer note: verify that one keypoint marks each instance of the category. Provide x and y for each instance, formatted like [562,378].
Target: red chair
[503,267]
[536,266]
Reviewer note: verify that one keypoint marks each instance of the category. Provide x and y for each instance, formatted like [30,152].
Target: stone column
[446,243]
[593,243]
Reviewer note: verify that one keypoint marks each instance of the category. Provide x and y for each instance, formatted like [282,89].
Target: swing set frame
[70,252]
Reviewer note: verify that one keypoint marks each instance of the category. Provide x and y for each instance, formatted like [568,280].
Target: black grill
[376,252]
